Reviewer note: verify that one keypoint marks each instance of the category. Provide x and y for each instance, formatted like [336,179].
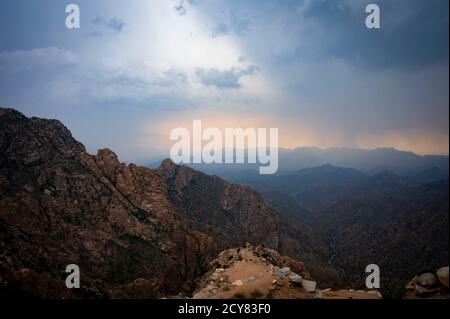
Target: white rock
[295,278]
[283,272]
[237,283]
[309,285]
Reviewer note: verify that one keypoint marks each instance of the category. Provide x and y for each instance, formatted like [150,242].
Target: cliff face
[133,231]
[59,206]
[235,214]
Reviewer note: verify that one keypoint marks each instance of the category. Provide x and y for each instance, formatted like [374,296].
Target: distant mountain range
[371,161]
[398,222]
[137,232]
[368,161]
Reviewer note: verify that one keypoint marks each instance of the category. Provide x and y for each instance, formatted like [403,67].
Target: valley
[137,232]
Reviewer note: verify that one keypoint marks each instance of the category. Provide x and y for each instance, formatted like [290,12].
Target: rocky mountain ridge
[133,231]
[261,273]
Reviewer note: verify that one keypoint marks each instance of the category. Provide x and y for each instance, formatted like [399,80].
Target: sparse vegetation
[256,294]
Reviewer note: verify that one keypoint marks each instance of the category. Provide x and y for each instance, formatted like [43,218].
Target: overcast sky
[137,69]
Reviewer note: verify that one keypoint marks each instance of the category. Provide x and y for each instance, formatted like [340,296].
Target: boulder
[427,280]
[309,285]
[423,291]
[281,272]
[237,283]
[295,278]
[442,275]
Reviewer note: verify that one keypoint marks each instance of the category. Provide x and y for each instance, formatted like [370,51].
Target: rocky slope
[386,219]
[404,233]
[133,231]
[234,214]
[259,272]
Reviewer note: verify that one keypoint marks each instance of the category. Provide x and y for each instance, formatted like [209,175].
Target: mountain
[330,193]
[368,161]
[295,182]
[376,160]
[404,233]
[137,232]
[133,231]
[317,188]
[234,214]
[432,174]
[393,221]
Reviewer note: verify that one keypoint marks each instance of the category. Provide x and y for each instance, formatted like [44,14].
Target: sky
[137,69]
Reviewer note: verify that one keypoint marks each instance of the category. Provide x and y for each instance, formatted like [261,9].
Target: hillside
[134,232]
[405,233]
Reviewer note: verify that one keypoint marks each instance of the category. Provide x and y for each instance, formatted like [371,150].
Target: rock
[285,271]
[220,270]
[215,276]
[423,291]
[237,283]
[442,275]
[412,284]
[295,278]
[309,285]
[274,282]
[281,272]
[318,295]
[427,280]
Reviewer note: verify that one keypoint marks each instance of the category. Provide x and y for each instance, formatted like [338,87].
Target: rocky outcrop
[234,214]
[253,272]
[60,205]
[134,232]
[258,272]
[429,285]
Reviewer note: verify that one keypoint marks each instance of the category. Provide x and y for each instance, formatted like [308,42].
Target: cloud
[114,23]
[63,77]
[94,34]
[413,33]
[37,59]
[232,24]
[180,9]
[224,79]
